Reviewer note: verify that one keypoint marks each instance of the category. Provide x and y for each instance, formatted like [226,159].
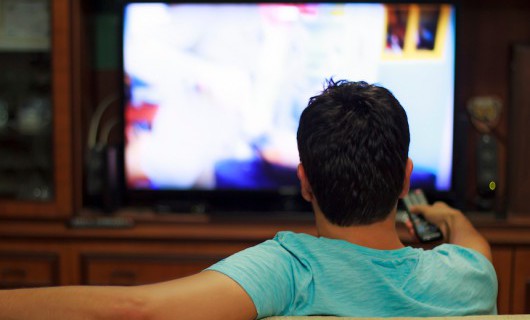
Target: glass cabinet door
[35,137]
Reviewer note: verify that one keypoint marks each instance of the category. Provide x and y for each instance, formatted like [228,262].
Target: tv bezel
[282,202]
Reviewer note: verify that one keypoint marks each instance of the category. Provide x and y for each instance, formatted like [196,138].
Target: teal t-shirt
[299,274]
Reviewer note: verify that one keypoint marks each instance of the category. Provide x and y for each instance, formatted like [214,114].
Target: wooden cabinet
[50,253]
[42,186]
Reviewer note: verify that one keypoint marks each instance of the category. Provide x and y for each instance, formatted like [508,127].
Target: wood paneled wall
[487,32]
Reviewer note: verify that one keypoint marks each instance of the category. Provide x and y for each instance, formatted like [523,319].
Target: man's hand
[439,213]
[456,228]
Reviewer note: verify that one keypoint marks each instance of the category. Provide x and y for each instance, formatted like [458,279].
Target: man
[353,142]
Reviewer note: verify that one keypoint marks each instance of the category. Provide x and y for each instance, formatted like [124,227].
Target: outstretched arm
[455,226]
[206,295]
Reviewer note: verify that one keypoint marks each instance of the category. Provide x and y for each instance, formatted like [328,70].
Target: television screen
[214,91]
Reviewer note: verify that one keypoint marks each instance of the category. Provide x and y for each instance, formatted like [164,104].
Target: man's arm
[207,295]
[455,226]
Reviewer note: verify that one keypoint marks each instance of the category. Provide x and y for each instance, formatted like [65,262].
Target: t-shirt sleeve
[265,273]
[476,275]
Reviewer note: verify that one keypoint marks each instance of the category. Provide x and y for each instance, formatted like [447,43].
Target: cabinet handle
[122,278]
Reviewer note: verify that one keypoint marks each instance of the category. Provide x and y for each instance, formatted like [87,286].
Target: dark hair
[353,141]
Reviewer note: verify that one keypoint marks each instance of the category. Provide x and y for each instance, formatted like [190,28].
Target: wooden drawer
[19,270]
[120,269]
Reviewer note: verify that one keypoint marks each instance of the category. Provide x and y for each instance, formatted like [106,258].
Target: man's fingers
[410,227]
[419,208]
[440,204]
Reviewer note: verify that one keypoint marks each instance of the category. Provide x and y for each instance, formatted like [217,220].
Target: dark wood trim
[496,232]
[519,145]
[62,92]
[81,99]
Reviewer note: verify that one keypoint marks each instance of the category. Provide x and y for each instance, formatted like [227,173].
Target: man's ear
[406,183]
[307,192]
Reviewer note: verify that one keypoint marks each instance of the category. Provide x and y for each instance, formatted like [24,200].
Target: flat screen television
[214,91]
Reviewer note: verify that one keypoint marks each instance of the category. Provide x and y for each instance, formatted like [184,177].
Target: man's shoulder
[269,252]
[450,252]
[285,236]
[455,263]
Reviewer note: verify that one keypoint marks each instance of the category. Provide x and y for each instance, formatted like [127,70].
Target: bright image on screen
[214,92]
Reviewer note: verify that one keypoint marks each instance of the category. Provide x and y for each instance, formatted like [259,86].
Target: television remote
[425,230]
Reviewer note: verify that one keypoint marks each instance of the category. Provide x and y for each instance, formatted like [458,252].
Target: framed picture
[416,31]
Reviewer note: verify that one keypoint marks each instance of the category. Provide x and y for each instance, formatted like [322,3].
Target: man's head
[353,141]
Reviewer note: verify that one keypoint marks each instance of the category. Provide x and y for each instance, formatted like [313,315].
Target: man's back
[298,274]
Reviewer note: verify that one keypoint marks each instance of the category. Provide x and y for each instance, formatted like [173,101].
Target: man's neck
[381,235]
